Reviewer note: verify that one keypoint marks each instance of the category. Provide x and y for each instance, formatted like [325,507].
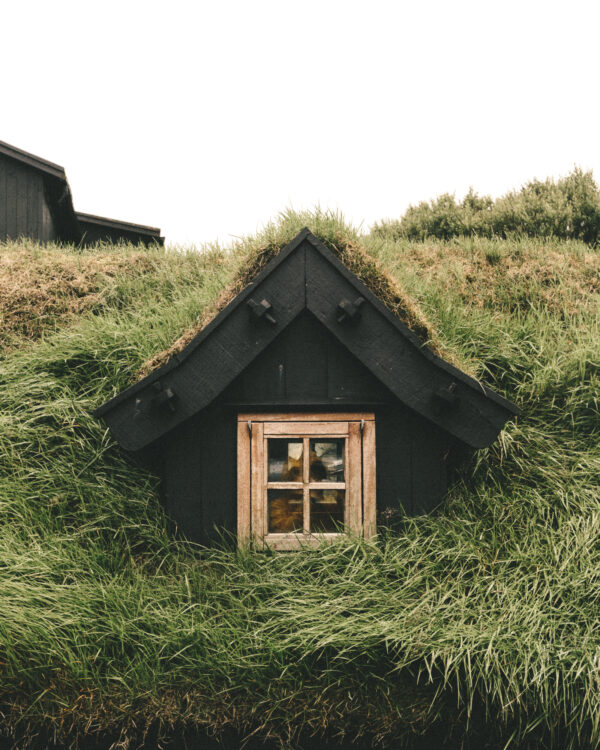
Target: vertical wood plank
[369,481]
[354,479]
[48,228]
[22,184]
[428,467]
[185,481]
[11,203]
[306,490]
[306,509]
[265,378]
[393,450]
[3,220]
[258,491]
[33,206]
[306,460]
[264,493]
[306,359]
[243,483]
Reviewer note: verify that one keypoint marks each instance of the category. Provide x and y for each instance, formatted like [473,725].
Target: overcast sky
[208,118]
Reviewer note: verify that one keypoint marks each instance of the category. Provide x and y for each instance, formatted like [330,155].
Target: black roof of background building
[72,226]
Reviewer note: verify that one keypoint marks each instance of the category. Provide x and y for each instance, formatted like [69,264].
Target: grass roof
[479,621]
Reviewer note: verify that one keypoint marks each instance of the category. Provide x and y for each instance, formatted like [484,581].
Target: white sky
[208,118]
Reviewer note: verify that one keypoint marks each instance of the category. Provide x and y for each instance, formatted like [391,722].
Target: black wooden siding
[306,366]
[36,202]
[101,229]
[24,210]
[307,369]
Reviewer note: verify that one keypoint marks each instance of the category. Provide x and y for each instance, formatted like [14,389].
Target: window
[303,478]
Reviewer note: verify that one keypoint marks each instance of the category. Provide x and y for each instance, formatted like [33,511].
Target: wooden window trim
[307,417]
[252,480]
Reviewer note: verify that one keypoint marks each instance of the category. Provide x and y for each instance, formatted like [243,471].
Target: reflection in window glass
[326,510]
[327,460]
[285,460]
[285,511]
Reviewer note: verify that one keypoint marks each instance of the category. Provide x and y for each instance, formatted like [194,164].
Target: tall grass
[480,620]
[568,208]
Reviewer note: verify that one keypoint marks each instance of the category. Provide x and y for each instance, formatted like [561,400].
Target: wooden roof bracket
[349,311]
[163,396]
[261,310]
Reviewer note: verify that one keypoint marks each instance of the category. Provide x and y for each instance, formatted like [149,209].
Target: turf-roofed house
[305,409]
[36,202]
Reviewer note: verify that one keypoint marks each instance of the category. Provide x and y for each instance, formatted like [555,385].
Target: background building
[36,202]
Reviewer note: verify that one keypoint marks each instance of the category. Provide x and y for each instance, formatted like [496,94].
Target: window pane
[285,511]
[327,460]
[285,460]
[326,510]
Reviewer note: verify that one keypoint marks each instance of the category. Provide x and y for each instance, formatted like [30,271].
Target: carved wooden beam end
[261,310]
[349,311]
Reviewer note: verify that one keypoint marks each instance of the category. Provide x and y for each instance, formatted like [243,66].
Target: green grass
[568,208]
[479,619]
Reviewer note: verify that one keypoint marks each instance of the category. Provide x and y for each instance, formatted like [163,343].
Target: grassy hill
[480,619]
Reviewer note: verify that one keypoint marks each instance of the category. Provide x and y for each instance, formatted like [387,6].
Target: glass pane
[327,460]
[326,510]
[285,511]
[285,460]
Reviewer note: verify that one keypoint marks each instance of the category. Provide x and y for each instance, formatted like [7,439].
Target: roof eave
[118,224]
[24,157]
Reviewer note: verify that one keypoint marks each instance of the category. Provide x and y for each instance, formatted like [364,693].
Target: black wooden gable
[306,277]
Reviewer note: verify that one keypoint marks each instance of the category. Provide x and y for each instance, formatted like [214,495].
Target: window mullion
[354,479]
[306,489]
[258,513]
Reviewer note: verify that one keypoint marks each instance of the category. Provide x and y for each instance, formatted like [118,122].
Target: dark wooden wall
[305,365]
[304,368]
[24,210]
[93,232]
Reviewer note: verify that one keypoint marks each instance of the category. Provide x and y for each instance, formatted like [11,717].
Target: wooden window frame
[253,430]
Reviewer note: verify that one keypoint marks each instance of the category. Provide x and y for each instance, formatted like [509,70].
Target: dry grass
[42,287]
[496,273]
